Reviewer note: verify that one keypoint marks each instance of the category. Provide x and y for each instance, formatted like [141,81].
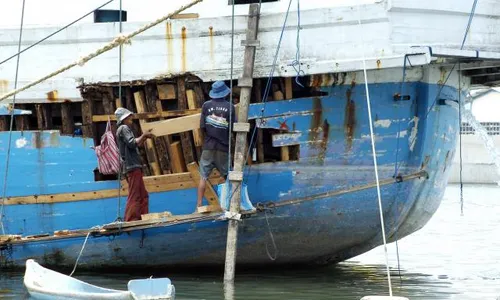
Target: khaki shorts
[211,159]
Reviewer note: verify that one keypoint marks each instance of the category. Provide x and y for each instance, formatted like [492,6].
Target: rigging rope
[460,137]
[54,33]
[7,160]
[467,29]
[119,40]
[120,49]
[374,153]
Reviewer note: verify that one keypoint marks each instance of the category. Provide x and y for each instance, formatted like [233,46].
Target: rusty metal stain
[350,117]
[183,58]
[170,47]
[426,161]
[54,139]
[324,141]
[442,75]
[446,160]
[379,64]
[52,95]
[211,42]
[37,139]
[316,119]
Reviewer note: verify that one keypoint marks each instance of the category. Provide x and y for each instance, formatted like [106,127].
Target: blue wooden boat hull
[335,155]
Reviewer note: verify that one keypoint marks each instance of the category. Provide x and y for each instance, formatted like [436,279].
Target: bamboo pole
[236,176]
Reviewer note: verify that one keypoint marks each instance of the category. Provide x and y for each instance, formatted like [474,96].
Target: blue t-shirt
[215,122]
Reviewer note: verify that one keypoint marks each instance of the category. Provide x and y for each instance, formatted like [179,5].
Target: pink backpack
[108,156]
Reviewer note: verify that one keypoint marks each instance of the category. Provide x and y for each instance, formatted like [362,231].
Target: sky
[59,12]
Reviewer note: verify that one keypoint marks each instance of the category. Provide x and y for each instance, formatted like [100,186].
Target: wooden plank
[166,92]
[177,125]
[21,121]
[154,184]
[197,135]
[129,102]
[150,149]
[200,96]
[67,119]
[186,137]
[177,159]
[285,153]
[161,143]
[88,127]
[118,102]
[4,123]
[288,88]
[150,115]
[39,117]
[173,126]
[208,209]
[108,101]
[210,193]
[156,216]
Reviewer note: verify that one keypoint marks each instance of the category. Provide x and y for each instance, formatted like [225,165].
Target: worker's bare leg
[201,191]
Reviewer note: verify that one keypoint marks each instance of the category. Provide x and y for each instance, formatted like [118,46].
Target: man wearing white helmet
[138,197]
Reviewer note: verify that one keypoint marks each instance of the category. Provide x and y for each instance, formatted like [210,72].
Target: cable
[7,160]
[374,153]
[460,138]
[120,49]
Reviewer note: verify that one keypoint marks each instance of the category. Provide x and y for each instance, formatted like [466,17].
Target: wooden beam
[150,115]
[210,193]
[166,92]
[177,125]
[172,126]
[150,149]
[4,123]
[129,103]
[154,105]
[22,121]
[285,151]
[186,137]
[177,159]
[67,119]
[87,124]
[154,184]
[197,135]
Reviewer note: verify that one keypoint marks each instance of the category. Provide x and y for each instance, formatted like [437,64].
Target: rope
[118,217]
[374,153]
[467,29]
[296,63]
[119,40]
[7,160]
[54,33]
[83,247]
[460,138]
[271,257]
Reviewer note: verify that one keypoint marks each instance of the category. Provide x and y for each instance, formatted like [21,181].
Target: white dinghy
[43,283]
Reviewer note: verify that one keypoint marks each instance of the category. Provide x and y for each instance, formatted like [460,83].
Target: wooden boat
[43,283]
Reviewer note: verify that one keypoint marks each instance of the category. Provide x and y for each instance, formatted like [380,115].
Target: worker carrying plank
[138,197]
[216,115]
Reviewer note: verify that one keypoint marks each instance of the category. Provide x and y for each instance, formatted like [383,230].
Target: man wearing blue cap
[214,122]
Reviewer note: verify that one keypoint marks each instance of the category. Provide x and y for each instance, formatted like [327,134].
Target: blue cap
[219,90]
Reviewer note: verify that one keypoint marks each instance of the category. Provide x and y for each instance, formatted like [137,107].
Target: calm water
[453,257]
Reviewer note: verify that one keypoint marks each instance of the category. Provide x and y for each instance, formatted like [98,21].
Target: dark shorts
[211,159]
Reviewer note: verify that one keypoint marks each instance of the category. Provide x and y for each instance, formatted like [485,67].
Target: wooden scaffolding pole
[241,128]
